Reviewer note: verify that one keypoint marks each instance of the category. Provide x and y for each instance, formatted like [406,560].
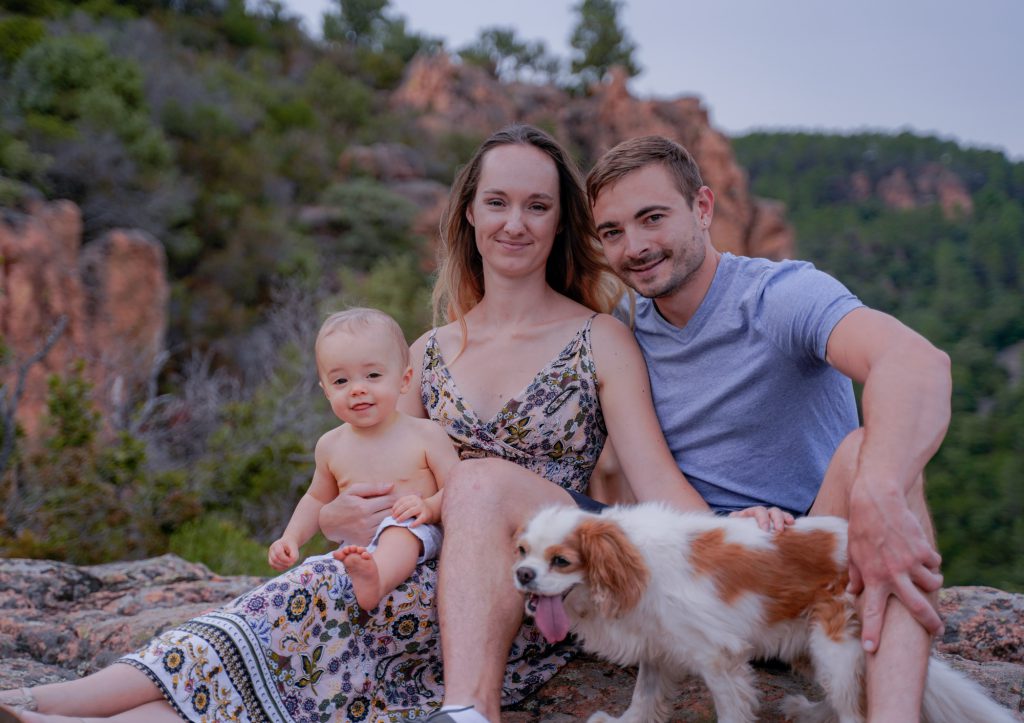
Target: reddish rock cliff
[449,97]
[113,292]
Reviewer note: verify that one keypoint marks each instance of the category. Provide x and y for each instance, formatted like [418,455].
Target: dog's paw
[800,710]
[601,717]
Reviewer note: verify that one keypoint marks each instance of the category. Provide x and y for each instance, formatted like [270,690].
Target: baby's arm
[441,458]
[305,519]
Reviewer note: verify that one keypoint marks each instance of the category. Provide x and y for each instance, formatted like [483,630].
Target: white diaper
[429,535]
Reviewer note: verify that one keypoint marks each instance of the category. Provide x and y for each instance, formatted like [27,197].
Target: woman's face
[515,212]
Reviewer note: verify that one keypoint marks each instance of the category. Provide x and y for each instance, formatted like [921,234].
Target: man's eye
[610,235]
[655,217]
[559,561]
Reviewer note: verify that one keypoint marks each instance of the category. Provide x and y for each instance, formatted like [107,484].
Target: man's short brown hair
[636,153]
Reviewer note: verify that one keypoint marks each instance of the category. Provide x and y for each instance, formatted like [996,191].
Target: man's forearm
[906,404]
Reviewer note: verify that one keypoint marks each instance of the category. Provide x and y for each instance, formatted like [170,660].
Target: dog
[678,593]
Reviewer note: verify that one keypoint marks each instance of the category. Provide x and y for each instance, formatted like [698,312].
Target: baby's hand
[412,506]
[283,554]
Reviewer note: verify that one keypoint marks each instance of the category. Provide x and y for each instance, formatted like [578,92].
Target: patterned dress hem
[156,681]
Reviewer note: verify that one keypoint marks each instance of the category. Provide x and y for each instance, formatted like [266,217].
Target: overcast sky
[952,69]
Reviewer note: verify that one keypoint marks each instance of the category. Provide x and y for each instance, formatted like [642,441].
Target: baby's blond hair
[361,319]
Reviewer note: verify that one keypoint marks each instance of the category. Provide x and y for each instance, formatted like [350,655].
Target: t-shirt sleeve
[797,307]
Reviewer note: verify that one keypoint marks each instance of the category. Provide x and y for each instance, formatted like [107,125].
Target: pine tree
[600,42]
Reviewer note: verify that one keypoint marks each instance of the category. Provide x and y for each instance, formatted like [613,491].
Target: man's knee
[834,494]
[847,454]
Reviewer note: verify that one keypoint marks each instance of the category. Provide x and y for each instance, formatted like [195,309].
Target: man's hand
[353,516]
[283,554]
[890,554]
[768,518]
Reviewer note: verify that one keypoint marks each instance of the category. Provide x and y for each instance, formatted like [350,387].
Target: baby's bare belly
[422,483]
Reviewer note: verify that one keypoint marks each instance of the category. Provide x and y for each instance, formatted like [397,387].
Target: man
[750,364]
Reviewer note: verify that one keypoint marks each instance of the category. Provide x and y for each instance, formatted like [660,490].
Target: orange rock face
[447,97]
[113,292]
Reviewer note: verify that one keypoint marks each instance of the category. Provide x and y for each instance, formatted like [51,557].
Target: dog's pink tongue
[551,618]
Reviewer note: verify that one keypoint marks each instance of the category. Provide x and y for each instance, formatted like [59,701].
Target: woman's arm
[625,393]
[411,402]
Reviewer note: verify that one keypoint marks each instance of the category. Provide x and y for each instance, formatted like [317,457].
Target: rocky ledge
[59,621]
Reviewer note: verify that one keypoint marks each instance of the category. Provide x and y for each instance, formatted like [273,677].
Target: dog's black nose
[525,575]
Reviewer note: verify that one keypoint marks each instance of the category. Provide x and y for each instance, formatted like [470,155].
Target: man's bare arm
[906,406]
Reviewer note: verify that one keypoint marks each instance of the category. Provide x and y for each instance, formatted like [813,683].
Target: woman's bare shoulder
[426,429]
[610,327]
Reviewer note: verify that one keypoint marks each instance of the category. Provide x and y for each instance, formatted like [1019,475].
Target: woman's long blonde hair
[576,266]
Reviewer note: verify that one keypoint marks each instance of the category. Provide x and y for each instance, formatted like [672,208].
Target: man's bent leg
[896,673]
[479,609]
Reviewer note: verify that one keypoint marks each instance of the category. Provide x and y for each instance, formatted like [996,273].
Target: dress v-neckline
[522,392]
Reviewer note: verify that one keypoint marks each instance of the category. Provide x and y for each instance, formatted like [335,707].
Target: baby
[363,364]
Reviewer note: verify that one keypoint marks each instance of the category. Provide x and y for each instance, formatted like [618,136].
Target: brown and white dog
[679,593]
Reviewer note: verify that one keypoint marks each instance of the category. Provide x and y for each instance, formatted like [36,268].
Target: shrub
[18,34]
[75,81]
[222,545]
[373,221]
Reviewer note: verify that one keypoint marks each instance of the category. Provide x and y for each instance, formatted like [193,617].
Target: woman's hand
[768,518]
[353,516]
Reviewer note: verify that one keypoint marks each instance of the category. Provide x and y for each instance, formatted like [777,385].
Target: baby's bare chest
[405,467]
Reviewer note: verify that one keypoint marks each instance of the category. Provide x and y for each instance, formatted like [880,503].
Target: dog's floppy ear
[616,570]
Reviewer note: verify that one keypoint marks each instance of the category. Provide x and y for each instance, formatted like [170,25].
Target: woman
[522,282]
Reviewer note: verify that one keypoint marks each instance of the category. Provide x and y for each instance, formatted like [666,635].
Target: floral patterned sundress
[299,649]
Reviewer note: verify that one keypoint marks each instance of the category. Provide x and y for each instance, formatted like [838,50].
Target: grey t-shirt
[750,409]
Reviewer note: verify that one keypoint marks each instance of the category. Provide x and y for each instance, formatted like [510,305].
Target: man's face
[653,238]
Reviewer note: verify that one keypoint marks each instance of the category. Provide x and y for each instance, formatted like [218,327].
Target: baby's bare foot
[362,571]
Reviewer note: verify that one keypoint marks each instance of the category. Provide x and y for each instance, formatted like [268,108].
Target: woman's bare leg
[115,689]
[157,711]
[479,608]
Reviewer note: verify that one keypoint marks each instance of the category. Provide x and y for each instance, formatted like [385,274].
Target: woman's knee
[474,485]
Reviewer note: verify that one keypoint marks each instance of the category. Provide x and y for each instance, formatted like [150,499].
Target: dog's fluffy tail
[950,697]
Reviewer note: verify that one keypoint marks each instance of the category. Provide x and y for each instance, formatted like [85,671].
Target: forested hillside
[264,163]
[934,234]
[209,125]
[282,179]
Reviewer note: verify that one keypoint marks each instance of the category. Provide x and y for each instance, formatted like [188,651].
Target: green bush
[36,8]
[373,221]
[65,82]
[287,114]
[222,545]
[397,286]
[343,100]
[18,34]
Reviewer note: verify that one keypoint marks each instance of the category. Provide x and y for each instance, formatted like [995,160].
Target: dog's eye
[559,561]
[521,550]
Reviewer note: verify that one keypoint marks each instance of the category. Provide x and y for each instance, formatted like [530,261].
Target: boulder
[59,621]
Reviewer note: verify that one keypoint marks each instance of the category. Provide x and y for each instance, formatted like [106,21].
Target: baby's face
[362,376]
